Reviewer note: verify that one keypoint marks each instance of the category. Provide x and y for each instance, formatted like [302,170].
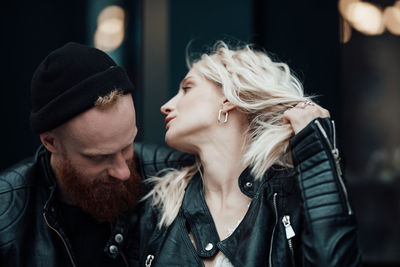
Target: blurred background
[347,52]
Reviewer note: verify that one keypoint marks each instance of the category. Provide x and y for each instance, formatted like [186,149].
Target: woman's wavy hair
[263,90]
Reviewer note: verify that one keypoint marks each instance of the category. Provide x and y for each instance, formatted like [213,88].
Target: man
[71,205]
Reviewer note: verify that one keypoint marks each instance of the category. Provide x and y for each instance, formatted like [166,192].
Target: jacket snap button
[248,184]
[119,238]
[113,249]
[209,247]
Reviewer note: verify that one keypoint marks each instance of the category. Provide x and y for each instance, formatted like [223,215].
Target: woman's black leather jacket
[297,217]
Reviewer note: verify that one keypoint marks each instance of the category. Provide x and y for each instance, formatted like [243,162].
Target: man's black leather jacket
[297,217]
[30,230]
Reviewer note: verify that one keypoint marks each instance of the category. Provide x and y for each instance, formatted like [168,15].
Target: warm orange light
[111,26]
[365,18]
[108,42]
[344,5]
[111,12]
[391,18]
[345,31]
[110,31]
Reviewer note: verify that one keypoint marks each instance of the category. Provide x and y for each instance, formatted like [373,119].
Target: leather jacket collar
[48,177]
[198,216]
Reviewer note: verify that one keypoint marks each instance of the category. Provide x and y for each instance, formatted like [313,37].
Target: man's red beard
[105,198]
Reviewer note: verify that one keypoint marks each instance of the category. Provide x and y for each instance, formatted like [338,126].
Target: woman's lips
[167,120]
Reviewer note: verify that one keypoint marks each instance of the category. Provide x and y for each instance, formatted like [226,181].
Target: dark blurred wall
[371,118]
[203,23]
[154,68]
[31,29]
[303,34]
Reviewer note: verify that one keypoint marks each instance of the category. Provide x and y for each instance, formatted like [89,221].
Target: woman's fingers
[302,114]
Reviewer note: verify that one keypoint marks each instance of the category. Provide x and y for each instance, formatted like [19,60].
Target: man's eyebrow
[95,154]
[100,153]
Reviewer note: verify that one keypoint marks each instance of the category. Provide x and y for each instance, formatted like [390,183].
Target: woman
[266,189]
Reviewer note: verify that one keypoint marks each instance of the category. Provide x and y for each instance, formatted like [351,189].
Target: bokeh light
[110,31]
[391,18]
[365,18]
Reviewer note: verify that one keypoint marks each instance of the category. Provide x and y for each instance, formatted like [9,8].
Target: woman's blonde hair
[261,89]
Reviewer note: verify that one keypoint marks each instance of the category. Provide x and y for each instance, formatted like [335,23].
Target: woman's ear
[227,106]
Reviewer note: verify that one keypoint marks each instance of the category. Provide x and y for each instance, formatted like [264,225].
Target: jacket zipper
[335,154]
[273,230]
[65,244]
[289,235]
[149,260]
[124,259]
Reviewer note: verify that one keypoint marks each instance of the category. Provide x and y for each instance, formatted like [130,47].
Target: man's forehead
[96,127]
[112,146]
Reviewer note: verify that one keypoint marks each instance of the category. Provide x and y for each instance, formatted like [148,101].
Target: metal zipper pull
[289,235]
[149,260]
[335,154]
[288,227]
[334,150]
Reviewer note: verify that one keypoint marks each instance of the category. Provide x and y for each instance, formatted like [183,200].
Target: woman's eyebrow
[185,80]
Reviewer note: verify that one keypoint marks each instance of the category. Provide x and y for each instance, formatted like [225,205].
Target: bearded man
[71,205]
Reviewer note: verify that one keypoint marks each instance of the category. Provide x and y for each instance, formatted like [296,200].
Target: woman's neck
[223,163]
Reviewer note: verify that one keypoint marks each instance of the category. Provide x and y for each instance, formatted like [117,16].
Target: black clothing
[36,231]
[87,236]
[310,199]
[69,81]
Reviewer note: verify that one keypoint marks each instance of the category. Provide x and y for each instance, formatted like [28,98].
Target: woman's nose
[165,110]
[167,107]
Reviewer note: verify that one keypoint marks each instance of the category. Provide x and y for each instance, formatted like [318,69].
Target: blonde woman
[266,189]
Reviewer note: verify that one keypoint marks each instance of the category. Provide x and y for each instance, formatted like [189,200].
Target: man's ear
[227,106]
[48,139]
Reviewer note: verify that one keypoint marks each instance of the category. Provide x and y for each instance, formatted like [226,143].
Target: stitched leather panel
[153,158]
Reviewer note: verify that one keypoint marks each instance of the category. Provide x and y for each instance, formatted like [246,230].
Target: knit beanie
[69,81]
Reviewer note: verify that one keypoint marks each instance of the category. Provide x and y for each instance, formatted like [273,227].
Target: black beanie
[69,81]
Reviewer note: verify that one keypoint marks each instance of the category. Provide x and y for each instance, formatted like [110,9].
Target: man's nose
[120,169]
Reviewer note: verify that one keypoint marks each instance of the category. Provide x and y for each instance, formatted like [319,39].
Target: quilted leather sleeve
[330,234]
[14,196]
[152,158]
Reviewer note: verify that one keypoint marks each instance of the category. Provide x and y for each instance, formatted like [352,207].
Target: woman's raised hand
[302,114]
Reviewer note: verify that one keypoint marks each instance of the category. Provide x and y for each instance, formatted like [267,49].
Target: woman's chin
[170,140]
[178,144]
